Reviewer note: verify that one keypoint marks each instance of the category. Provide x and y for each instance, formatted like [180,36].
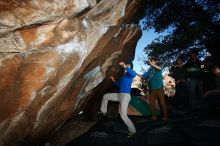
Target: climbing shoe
[101,114]
[131,135]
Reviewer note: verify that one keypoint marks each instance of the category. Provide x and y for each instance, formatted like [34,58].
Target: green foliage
[193,24]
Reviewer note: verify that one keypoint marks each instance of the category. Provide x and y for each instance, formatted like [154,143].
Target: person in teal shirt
[155,81]
[155,78]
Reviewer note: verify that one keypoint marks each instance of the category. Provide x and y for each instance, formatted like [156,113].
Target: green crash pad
[141,106]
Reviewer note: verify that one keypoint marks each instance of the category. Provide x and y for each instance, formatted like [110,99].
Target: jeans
[194,91]
[180,97]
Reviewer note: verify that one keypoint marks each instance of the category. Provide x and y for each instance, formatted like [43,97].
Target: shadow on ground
[183,129]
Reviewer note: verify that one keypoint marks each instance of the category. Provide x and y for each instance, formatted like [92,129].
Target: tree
[193,24]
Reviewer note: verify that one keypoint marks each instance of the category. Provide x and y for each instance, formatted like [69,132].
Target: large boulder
[54,55]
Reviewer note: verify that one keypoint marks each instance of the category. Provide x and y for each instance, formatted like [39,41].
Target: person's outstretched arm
[139,75]
[209,92]
[154,65]
[130,71]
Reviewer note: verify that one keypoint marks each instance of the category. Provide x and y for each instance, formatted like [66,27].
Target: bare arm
[123,65]
[154,65]
[139,75]
[207,93]
[112,78]
[114,81]
[130,72]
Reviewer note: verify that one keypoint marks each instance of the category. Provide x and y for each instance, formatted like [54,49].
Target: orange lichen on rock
[29,35]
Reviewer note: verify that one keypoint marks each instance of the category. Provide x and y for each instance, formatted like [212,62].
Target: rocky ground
[201,128]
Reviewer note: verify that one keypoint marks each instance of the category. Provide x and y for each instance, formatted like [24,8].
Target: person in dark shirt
[208,75]
[194,66]
[194,83]
[212,95]
[179,73]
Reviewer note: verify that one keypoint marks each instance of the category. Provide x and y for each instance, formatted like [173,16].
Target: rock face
[53,55]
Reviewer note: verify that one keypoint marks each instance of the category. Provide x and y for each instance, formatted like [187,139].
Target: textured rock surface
[53,55]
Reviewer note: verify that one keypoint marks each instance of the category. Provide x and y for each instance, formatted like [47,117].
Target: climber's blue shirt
[125,81]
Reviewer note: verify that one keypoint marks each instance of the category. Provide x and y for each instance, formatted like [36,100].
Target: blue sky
[147,37]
